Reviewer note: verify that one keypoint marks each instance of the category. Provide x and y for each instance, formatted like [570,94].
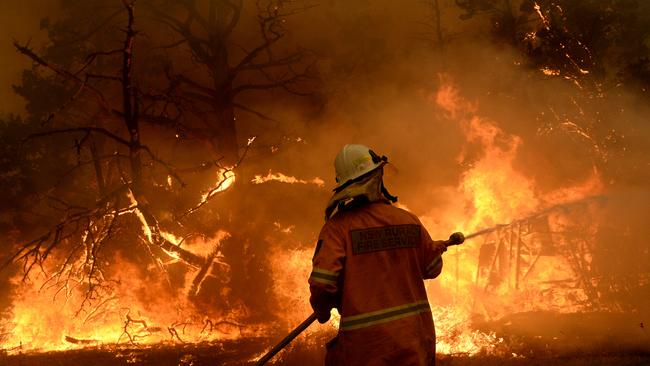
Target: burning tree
[123,191]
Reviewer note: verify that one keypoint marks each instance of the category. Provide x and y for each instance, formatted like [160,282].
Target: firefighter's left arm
[326,275]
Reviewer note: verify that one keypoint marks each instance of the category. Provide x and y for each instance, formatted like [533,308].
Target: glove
[456,238]
[323,317]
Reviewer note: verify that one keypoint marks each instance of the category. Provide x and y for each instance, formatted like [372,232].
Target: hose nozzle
[456,239]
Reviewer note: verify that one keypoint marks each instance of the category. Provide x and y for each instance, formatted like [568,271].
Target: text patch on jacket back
[385,238]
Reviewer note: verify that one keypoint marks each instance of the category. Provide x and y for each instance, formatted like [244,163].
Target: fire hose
[454,239]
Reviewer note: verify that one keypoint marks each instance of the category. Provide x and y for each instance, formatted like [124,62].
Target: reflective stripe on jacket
[370,263]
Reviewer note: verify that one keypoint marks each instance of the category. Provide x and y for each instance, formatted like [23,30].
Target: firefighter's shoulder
[401,213]
[334,227]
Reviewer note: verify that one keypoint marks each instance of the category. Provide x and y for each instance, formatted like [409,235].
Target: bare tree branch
[99,130]
[62,72]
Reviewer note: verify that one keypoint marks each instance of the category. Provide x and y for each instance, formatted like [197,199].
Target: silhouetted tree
[205,29]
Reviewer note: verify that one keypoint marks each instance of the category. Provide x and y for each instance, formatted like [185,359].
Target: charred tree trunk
[131,119]
[222,17]
[225,133]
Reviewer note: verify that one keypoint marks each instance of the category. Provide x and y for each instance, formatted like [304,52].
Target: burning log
[174,333]
[83,342]
[186,256]
[209,325]
[200,276]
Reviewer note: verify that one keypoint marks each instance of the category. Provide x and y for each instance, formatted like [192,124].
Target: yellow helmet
[355,160]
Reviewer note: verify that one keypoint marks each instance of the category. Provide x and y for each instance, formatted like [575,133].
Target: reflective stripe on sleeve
[324,276]
[383,316]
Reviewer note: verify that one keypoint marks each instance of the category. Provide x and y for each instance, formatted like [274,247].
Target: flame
[550,72]
[145,228]
[55,310]
[225,179]
[49,316]
[493,192]
[455,335]
[290,269]
[282,178]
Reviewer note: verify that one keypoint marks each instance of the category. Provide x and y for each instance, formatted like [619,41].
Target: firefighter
[370,261]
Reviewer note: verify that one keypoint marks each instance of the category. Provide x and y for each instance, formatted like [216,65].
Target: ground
[527,339]
[241,353]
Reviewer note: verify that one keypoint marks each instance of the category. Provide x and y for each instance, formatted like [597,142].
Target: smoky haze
[380,70]
[19,20]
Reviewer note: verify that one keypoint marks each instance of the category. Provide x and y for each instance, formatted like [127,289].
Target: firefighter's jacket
[370,263]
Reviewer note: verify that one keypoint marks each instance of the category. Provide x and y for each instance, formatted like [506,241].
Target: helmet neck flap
[364,189]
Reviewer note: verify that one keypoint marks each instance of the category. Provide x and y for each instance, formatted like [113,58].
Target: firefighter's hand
[456,238]
[323,317]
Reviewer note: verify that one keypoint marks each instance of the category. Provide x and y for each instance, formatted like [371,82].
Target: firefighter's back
[385,315]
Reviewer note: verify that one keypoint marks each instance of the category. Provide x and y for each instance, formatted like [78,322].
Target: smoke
[19,20]
[381,74]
